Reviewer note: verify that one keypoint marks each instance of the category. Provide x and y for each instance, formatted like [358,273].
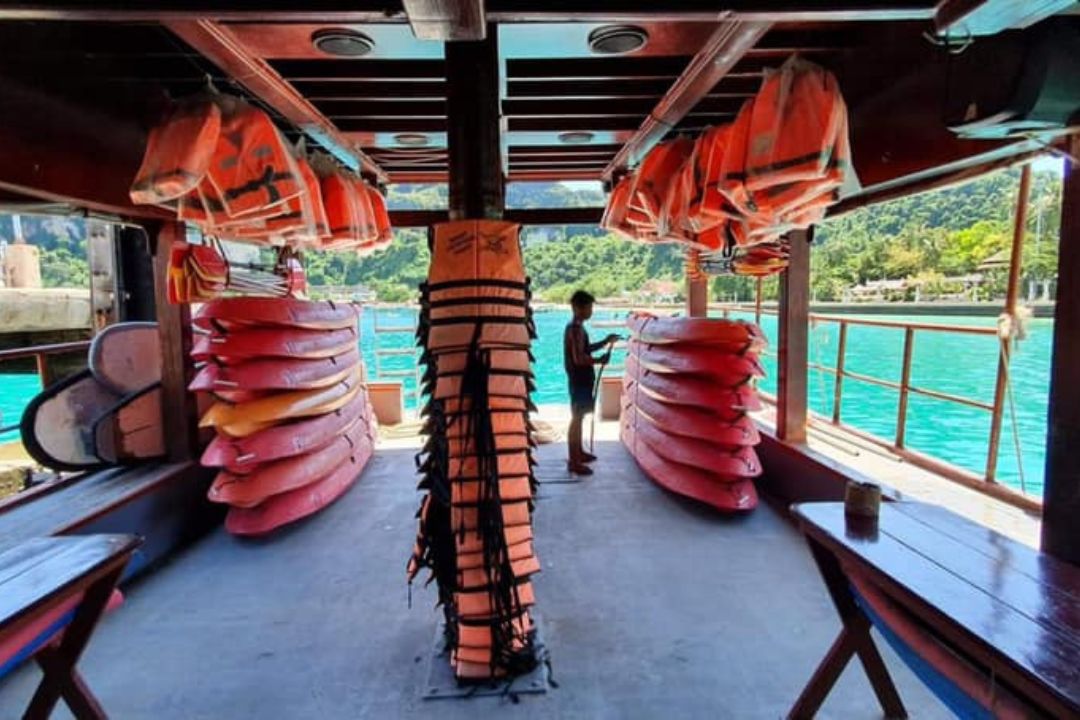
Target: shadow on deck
[652,606]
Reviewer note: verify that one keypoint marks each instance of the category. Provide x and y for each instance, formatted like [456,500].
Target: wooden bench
[992,625]
[43,583]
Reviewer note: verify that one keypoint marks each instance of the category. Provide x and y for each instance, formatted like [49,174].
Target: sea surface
[962,365]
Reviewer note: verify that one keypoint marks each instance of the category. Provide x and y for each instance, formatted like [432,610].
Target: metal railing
[905,389]
[41,354]
[411,351]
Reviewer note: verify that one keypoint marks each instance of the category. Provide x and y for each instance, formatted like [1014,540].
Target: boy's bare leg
[573,438]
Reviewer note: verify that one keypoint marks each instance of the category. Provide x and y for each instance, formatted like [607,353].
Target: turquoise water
[962,365]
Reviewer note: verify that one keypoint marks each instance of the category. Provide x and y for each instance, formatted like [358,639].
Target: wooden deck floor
[652,607]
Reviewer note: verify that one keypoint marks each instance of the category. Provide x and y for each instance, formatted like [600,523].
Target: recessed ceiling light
[617,39]
[411,139]
[343,42]
[576,137]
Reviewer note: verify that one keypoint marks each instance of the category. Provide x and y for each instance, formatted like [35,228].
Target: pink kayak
[285,440]
[692,390]
[692,421]
[296,504]
[288,312]
[726,462]
[733,335]
[261,481]
[234,347]
[690,481]
[728,369]
[276,373]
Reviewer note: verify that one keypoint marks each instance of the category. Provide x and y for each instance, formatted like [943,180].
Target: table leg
[61,679]
[854,639]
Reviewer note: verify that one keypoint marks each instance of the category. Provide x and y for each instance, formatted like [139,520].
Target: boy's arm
[579,349]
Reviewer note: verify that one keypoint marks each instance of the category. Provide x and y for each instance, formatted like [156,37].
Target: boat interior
[649,603]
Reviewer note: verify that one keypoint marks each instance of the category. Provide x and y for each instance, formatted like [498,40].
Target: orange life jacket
[252,169]
[178,152]
[708,207]
[618,206]
[342,209]
[658,170]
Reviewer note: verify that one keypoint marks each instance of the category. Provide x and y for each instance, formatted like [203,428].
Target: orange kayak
[692,482]
[732,335]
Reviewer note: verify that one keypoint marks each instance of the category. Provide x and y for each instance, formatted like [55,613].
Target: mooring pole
[1012,293]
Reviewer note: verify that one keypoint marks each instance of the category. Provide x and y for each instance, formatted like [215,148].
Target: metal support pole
[1011,294]
[905,387]
[757,302]
[793,355]
[838,385]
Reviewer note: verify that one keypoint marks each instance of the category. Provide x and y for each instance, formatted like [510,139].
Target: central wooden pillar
[1061,493]
[792,355]
[174,327]
[697,296]
[473,124]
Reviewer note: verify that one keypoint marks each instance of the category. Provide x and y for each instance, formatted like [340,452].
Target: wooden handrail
[39,350]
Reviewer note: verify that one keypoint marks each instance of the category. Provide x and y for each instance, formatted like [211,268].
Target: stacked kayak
[475,520]
[293,422]
[687,389]
[108,414]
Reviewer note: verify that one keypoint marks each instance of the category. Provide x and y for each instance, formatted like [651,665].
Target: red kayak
[267,479]
[692,390]
[691,421]
[275,373]
[728,369]
[690,481]
[286,440]
[726,463]
[288,312]
[733,335]
[299,503]
[234,347]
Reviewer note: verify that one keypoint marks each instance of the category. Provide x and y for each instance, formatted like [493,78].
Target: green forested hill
[931,236]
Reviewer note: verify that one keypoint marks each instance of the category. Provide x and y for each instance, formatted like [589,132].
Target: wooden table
[1000,605]
[37,579]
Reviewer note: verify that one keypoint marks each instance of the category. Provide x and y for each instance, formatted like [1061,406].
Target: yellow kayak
[243,419]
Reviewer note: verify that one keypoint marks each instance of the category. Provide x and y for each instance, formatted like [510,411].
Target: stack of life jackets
[293,422]
[687,389]
[475,520]
[222,165]
[198,273]
[740,187]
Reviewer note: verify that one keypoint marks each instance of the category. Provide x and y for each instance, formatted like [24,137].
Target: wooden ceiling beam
[221,47]
[607,108]
[653,88]
[721,52]
[375,11]
[446,19]
[316,90]
[359,71]
[989,17]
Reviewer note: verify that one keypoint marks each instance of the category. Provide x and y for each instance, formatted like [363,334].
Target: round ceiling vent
[617,39]
[342,42]
[576,137]
[411,139]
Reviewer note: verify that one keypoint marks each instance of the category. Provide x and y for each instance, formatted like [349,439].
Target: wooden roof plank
[217,43]
[721,53]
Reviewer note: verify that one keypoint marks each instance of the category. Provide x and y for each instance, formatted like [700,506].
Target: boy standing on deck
[579,362]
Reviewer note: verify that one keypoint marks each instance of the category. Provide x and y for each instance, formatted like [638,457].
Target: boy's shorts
[582,401]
